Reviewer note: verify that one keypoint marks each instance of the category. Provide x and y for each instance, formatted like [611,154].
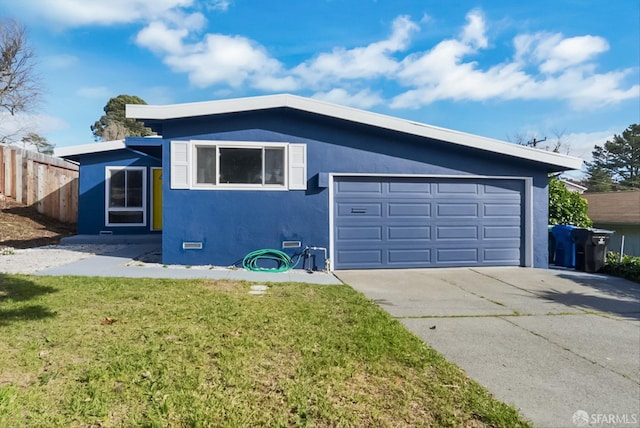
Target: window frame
[259,145]
[107,198]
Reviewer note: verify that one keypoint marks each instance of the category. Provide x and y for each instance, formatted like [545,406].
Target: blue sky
[495,68]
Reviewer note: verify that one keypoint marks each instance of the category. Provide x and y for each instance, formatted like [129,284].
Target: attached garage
[417,222]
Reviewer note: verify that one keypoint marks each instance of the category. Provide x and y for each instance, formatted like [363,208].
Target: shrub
[628,268]
[566,207]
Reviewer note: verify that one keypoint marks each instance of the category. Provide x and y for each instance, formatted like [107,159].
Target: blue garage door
[427,222]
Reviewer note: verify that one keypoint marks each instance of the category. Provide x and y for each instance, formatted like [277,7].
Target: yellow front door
[156,218]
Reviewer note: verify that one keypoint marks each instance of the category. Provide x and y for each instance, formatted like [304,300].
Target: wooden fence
[48,183]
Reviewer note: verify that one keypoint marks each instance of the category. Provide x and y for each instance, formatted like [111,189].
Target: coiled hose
[285,263]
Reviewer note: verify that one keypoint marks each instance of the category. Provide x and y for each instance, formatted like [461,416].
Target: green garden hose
[285,263]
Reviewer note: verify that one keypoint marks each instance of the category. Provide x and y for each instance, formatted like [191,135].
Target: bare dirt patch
[24,227]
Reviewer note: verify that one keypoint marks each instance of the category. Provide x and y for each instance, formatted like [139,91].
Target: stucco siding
[91,202]
[232,223]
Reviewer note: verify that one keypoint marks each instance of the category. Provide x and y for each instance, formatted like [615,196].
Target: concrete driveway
[558,345]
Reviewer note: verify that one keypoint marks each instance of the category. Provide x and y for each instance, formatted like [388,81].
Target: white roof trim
[176,111]
[571,183]
[83,149]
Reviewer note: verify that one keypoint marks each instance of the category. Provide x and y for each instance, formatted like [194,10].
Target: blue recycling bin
[565,246]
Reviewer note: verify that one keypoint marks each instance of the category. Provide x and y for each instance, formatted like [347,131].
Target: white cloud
[15,127]
[363,99]
[474,32]
[581,144]
[554,53]
[95,92]
[443,73]
[368,62]
[99,12]
[222,59]
[160,39]
[222,5]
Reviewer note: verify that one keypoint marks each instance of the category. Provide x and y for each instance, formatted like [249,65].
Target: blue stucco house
[224,178]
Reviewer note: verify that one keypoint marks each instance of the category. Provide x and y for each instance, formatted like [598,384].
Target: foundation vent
[192,245]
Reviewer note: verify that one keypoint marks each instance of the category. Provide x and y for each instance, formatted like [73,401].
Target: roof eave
[555,162]
[85,149]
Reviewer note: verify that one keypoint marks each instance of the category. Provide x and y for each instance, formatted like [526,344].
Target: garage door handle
[358,211]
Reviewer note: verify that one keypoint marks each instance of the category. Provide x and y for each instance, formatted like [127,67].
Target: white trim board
[176,111]
[105,146]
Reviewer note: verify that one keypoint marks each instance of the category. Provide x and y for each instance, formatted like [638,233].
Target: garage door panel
[403,209]
[403,257]
[457,210]
[455,188]
[409,187]
[359,258]
[420,222]
[456,232]
[507,256]
[395,233]
[359,210]
[359,187]
[359,233]
[502,232]
[502,210]
[457,256]
[512,187]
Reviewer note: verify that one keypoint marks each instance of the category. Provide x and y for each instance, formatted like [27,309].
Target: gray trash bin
[591,248]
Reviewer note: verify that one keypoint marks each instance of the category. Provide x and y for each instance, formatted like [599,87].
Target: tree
[617,161]
[113,125]
[598,180]
[566,207]
[41,144]
[20,89]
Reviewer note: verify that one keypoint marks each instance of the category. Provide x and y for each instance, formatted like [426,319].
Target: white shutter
[297,166]
[180,165]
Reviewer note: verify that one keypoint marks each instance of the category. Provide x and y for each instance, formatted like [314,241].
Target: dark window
[241,166]
[206,168]
[126,196]
[254,165]
[274,165]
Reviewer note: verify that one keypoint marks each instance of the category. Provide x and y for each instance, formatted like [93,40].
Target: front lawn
[105,352]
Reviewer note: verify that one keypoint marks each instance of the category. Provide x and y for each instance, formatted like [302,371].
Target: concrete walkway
[550,342]
[117,262]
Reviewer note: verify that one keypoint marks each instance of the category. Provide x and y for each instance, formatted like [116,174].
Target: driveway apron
[557,344]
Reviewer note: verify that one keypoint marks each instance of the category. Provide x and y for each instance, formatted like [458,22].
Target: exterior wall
[631,234]
[232,223]
[620,212]
[91,203]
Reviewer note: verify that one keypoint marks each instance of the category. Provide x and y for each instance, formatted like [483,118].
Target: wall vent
[291,244]
[106,232]
[192,245]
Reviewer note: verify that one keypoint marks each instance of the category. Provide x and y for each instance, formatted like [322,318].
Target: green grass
[139,352]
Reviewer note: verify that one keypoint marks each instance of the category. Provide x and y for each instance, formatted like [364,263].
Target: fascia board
[84,149]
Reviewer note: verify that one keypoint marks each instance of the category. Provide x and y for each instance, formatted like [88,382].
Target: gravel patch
[33,260]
